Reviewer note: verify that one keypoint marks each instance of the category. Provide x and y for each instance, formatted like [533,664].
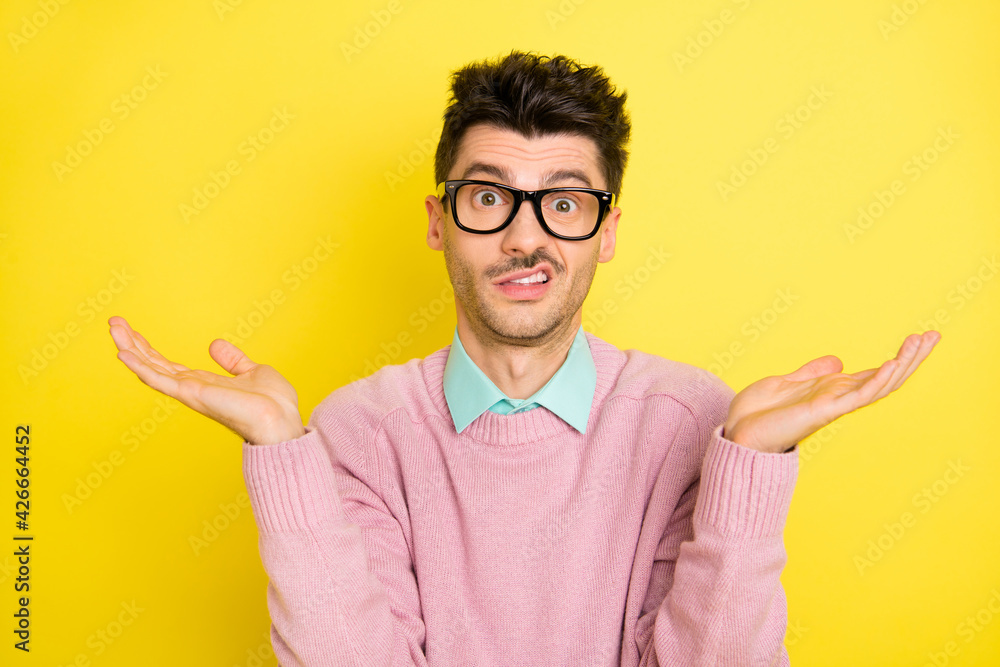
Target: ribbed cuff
[745,492]
[290,484]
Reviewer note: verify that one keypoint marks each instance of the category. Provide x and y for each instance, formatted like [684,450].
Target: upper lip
[524,274]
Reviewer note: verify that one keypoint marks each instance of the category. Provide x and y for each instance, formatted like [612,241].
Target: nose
[524,234]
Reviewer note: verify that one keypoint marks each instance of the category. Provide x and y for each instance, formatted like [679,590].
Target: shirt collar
[568,394]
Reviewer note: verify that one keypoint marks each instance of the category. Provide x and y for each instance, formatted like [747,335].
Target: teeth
[537,278]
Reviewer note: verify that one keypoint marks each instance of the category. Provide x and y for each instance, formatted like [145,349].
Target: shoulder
[648,377]
[389,389]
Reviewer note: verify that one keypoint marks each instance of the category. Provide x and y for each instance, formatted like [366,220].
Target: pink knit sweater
[391,540]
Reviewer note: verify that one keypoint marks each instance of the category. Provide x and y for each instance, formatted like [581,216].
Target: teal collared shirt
[568,394]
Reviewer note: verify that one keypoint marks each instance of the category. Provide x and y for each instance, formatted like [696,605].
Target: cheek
[466,255]
[583,260]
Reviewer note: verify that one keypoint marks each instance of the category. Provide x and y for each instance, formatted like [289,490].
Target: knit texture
[389,539]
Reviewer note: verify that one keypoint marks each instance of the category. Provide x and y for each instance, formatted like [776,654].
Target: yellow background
[893,76]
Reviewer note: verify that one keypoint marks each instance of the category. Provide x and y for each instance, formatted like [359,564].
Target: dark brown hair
[535,95]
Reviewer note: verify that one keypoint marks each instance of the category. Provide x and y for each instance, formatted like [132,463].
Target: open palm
[257,403]
[777,412]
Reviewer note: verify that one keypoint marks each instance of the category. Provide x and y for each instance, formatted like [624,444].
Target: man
[529,494]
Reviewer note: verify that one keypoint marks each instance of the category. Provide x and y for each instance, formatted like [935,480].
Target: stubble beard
[522,325]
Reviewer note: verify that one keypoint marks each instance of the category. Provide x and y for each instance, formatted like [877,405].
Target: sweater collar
[569,393]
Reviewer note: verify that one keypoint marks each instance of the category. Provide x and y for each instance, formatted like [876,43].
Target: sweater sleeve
[341,587]
[720,561]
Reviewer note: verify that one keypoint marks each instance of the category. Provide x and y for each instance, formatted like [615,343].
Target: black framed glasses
[483,207]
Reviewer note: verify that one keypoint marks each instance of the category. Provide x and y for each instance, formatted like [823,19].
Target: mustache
[526,262]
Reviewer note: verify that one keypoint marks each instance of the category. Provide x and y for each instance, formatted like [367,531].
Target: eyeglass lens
[486,207]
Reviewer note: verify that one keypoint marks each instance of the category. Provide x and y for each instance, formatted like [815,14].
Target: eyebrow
[505,177]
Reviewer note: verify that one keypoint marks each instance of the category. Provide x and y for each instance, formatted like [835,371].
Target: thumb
[230,357]
[817,367]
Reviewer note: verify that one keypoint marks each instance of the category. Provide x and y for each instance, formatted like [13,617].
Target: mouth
[525,285]
[540,274]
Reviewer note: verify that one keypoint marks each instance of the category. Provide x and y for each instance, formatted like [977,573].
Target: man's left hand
[776,413]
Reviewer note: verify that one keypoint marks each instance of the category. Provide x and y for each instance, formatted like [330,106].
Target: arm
[719,561]
[341,586]
[340,571]
[715,594]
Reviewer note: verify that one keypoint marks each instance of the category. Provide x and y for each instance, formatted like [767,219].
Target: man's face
[481,265]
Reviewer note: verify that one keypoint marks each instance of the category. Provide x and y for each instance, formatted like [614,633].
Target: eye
[564,205]
[487,198]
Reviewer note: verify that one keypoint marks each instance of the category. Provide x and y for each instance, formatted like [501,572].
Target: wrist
[278,435]
[733,433]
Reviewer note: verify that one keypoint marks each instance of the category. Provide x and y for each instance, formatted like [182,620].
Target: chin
[521,329]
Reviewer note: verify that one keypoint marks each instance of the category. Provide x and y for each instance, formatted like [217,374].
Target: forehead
[527,163]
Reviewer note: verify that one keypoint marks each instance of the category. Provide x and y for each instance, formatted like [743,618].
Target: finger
[903,358]
[120,336]
[908,353]
[926,343]
[149,375]
[148,349]
[861,375]
[916,350]
[127,338]
[187,389]
[230,357]
[815,368]
[869,392]
[120,332]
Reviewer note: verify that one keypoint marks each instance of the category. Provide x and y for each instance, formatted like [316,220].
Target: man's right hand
[258,404]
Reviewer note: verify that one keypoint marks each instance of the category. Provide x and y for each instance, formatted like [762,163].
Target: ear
[608,231]
[435,223]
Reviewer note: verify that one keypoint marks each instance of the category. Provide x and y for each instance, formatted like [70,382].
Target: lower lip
[524,292]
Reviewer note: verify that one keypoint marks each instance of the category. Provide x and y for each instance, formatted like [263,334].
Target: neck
[518,369]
